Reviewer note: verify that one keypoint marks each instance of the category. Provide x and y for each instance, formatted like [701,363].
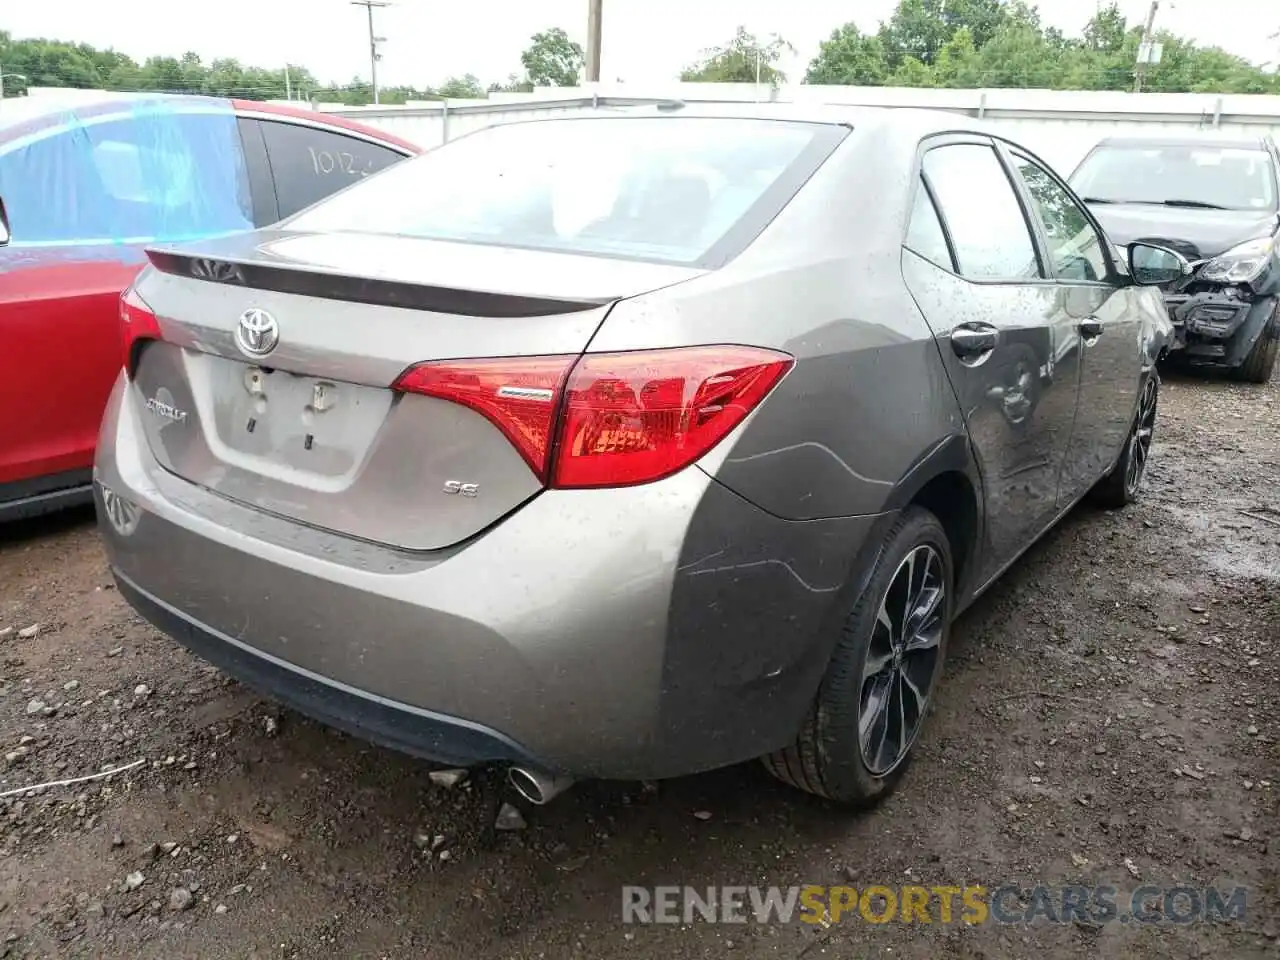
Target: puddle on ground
[1254,553]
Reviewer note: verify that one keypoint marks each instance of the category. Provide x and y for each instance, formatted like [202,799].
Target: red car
[85,185]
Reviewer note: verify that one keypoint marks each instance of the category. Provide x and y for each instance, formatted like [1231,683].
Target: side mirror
[4,225]
[1154,266]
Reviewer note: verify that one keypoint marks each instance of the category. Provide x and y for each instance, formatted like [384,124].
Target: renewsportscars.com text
[970,905]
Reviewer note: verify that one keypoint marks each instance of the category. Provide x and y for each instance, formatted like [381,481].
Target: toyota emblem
[258,333]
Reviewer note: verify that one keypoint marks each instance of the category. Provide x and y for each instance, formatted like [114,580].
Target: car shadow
[30,529]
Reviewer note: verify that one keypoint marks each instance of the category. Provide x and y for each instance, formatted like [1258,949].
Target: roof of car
[32,112]
[915,119]
[15,111]
[1189,138]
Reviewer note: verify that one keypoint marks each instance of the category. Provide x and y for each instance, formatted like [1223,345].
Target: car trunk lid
[312,427]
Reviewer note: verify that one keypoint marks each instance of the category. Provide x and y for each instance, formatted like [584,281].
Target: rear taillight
[518,395]
[611,419]
[636,417]
[137,323]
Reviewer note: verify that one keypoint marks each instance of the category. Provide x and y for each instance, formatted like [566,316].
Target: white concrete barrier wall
[1060,125]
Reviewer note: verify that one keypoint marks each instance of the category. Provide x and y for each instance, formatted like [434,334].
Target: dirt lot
[1109,712]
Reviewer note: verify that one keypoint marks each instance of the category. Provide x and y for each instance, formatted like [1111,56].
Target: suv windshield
[656,188]
[1234,178]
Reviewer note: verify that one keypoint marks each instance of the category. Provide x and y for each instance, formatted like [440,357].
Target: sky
[644,40]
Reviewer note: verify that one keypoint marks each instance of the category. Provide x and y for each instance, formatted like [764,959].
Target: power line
[374,40]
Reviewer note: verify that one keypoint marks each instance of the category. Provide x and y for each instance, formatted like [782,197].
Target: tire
[1123,485]
[1257,366]
[828,757]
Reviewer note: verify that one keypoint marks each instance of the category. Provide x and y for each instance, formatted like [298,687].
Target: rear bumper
[396,725]
[646,632]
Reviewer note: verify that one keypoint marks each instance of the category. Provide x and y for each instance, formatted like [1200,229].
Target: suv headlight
[1241,264]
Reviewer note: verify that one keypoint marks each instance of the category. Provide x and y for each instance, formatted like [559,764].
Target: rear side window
[925,235]
[308,164]
[982,213]
[151,176]
[669,189]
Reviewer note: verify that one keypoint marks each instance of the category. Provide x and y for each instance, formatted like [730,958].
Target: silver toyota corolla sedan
[629,446]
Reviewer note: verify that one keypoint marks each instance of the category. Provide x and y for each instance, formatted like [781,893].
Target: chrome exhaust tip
[537,787]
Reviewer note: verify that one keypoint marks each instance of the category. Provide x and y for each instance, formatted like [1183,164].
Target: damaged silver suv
[1214,199]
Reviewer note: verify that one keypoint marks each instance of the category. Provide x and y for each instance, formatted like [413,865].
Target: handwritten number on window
[327,162]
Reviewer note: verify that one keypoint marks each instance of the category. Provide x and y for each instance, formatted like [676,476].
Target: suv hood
[1196,234]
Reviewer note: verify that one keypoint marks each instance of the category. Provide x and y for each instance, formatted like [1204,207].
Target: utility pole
[595,33]
[374,40]
[288,86]
[1144,51]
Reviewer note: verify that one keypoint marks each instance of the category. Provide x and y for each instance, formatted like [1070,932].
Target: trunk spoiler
[376,292]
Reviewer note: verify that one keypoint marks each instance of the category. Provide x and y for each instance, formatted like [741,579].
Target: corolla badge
[257,333]
[163,407]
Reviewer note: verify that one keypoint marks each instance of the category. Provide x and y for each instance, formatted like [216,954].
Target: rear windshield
[1237,178]
[683,190]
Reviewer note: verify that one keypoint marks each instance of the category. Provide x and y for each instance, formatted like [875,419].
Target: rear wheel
[1261,360]
[871,706]
[1123,484]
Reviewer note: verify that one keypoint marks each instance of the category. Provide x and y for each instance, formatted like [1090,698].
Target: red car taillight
[520,396]
[609,419]
[637,417]
[137,322]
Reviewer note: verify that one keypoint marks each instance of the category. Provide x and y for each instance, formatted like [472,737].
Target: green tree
[1017,56]
[1105,32]
[982,18]
[912,73]
[741,60]
[354,93]
[849,56]
[1002,43]
[921,28]
[52,63]
[513,84]
[947,43]
[959,64]
[916,30]
[46,63]
[553,60]
[466,87]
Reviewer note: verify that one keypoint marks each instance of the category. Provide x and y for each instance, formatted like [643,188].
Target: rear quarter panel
[868,398]
[867,411]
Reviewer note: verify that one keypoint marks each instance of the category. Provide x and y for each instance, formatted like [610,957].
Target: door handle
[971,340]
[1091,328]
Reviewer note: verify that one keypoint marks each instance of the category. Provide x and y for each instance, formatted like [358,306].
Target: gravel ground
[1108,714]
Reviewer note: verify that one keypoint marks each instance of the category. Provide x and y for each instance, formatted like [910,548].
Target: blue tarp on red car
[123,171]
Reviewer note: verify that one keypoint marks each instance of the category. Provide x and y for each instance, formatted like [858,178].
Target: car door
[1097,302]
[310,161]
[975,268]
[84,196]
